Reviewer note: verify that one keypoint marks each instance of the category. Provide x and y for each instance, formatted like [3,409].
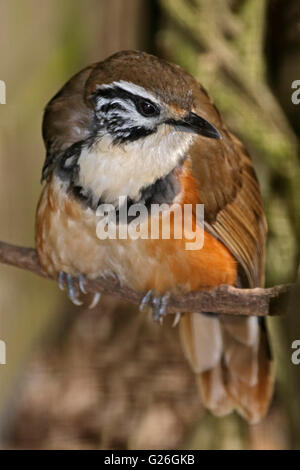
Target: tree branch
[224,300]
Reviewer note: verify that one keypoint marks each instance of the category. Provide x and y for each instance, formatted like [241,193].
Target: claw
[163,304]
[72,293]
[95,300]
[66,280]
[146,300]
[82,283]
[61,280]
[176,319]
[159,307]
[156,308]
[158,304]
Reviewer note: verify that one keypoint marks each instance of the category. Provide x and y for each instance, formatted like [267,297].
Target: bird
[135,127]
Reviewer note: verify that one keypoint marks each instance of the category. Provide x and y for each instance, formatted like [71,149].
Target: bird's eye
[146,108]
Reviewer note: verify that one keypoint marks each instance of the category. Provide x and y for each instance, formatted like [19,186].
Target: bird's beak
[194,123]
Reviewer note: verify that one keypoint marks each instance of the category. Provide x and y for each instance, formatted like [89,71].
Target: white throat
[109,171]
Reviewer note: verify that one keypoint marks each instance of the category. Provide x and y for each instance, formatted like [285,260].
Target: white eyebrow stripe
[132,88]
[126,105]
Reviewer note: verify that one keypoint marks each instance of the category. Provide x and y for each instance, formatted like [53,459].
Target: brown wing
[232,201]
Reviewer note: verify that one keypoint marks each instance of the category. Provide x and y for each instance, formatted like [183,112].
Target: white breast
[109,171]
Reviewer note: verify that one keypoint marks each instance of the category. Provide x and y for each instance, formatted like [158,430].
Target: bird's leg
[72,290]
[157,303]
[66,281]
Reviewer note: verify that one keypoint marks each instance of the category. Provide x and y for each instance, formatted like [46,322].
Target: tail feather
[201,340]
[213,391]
[253,399]
[244,330]
[231,357]
[241,360]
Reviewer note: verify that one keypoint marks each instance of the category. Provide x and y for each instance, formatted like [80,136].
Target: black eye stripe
[133,133]
[115,92]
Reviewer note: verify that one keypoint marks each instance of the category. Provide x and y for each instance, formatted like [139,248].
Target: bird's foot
[66,281]
[158,304]
[75,286]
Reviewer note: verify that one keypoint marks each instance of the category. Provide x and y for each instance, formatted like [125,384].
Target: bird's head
[142,114]
[127,112]
[134,93]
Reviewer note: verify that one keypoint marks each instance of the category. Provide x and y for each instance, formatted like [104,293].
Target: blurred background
[110,378]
